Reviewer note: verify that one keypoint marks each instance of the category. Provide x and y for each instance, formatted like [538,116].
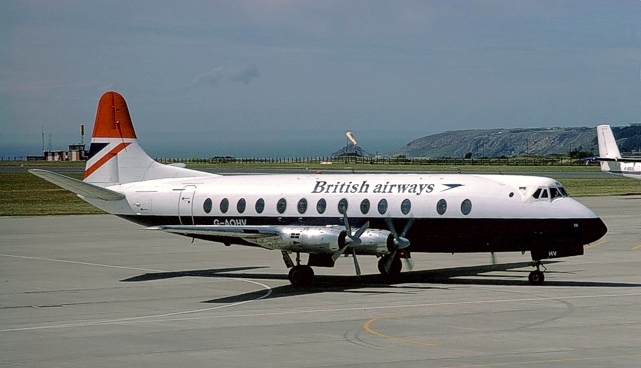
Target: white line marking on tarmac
[82,263]
[155,317]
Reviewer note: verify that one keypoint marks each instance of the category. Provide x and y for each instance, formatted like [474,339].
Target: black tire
[536,278]
[395,268]
[301,275]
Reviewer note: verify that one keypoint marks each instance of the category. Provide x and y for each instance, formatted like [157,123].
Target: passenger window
[281,206]
[441,207]
[240,206]
[224,205]
[207,205]
[365,206]
[406,206]
[260,205]
[302,206]
[382,206]
[342,206]
[466,207]
[321,206]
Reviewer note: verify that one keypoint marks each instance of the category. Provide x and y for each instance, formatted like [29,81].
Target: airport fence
[504,161]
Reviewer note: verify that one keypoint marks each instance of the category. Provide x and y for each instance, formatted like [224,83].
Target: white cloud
[221,74]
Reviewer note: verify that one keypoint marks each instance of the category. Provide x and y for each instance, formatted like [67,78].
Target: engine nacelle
[326,240]
[306,239]
[375,242]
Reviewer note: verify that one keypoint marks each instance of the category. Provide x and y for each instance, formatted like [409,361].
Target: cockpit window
[563,192]
[551,193]
[555,193]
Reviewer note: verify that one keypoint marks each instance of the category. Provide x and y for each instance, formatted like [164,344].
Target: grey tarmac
[79,291]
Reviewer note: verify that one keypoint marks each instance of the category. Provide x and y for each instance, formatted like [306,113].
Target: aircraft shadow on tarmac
[377,284]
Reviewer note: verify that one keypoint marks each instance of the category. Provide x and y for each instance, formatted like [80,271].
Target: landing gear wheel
[536,277]
[301,275]
[395,268]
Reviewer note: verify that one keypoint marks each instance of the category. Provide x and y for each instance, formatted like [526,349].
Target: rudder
[115,157]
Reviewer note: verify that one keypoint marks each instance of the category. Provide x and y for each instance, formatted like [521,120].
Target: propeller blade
[390,226]
[356,266]
[339,253]
[361,230]
[388,264]
[346,221]
[407,227]
[410,263]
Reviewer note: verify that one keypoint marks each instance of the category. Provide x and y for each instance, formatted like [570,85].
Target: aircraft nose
[593,230]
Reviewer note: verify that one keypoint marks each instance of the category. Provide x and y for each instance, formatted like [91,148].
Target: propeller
[397,242]
[351,241]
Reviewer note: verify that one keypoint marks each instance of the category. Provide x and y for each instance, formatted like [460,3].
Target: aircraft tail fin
[115,157]
[608,148]
[607,144]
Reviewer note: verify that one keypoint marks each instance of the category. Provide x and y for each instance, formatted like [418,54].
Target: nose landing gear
[537,277]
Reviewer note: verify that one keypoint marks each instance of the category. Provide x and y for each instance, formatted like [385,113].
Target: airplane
[330,216]
[610,158]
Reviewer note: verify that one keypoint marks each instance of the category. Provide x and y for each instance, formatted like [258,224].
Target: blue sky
[288,78]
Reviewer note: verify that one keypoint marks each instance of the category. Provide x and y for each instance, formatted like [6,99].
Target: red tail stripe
[112,118]
[104,159]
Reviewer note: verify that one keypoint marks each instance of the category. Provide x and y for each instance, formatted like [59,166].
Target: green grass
[24,194]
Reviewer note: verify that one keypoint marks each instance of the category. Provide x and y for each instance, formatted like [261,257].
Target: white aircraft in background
[610,157]
[330,215]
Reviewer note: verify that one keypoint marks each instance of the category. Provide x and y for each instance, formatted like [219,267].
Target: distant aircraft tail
[115,157]
[607,144]
[608,149]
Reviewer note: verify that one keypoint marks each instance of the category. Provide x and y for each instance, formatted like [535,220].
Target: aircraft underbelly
[442,235]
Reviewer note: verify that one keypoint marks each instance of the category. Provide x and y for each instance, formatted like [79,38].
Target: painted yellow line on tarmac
[368,327]
[601,242]
[637,247]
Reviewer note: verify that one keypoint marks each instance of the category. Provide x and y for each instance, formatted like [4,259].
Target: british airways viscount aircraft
[329,216]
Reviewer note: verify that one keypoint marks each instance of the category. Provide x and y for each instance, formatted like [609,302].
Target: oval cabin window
[260,205]
[224,205]
[240,206]
[382,206]
[207,205]
[281,206]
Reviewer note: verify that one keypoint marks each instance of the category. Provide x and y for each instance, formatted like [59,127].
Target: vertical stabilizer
[115,157]
[608,148]
[607,144]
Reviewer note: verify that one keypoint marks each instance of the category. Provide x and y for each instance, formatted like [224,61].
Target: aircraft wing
[243,232]
[78,186]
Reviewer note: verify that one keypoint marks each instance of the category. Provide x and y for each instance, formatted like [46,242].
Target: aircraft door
[186,205]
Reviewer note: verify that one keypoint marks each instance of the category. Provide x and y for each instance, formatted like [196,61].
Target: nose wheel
[537,277]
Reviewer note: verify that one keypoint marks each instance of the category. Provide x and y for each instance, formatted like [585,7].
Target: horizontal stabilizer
[77,186]
[610,159]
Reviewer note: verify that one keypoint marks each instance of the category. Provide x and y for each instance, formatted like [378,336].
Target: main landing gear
[389,266]
[299,275]
[537,277]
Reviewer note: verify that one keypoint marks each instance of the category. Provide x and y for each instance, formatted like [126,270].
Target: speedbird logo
[364,187]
